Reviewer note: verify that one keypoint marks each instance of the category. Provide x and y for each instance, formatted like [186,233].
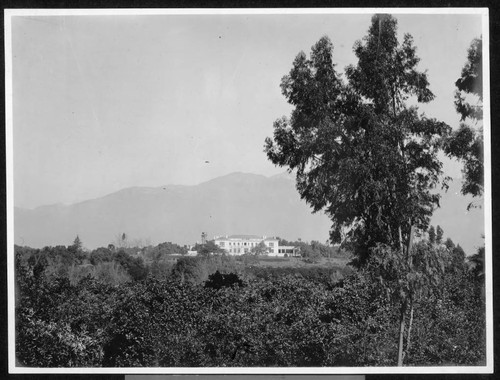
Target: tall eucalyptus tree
[366,157]
[361,153]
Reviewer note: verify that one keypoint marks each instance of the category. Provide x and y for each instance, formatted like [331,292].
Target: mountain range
[238,203]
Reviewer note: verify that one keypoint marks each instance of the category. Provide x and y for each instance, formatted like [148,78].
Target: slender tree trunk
[401,334]
[400,238]
[408,339]
[410,242]
[409,257]
[394,102]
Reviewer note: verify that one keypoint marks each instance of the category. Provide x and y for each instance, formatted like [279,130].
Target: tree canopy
[260,249]
[466,143]
[208,248]
[360,152]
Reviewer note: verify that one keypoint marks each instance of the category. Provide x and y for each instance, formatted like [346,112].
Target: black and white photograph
[197,191]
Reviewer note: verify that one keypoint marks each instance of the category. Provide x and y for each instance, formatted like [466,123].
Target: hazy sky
[106,102]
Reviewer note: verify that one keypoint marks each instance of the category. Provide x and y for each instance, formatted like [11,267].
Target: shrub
[219,280]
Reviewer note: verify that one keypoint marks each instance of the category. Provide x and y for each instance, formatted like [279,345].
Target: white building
[241,244]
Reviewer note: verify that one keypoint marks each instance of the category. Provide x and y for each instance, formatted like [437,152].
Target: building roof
[244,237]
[271,238]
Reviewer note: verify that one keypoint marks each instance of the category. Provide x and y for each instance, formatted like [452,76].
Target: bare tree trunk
[400,238]
[401,334]
[410,242]
[408,338]
[402,354]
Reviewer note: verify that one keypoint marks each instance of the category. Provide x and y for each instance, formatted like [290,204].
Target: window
[222,244]
[271,244]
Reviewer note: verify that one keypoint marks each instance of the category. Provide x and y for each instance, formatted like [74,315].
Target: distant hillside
[232,204]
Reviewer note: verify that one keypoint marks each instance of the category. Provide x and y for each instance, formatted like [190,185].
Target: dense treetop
[360,152]
[466,143]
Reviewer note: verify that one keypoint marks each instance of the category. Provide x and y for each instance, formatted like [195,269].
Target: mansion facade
[241,244]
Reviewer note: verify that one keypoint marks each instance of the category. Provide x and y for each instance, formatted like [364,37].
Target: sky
[101,103]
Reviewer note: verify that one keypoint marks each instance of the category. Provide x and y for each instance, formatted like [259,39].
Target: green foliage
[285,319]
[53,261]
[449,244]
[432,235]
[314,248]
[52,330]
[386,71]
[404,277]
[111,273]
[100,255]
[369,321]
[471,81]
[310,253]
[208,249]
[160,269]
[219,280]
[325,276]
[451,329]
[361,155]
[439,235]
[466,143]
[260,249]
[39,339]
[459,253]
[165,249]
[134,266]
[195,270]
[190,269]
[77,244]
[477,262]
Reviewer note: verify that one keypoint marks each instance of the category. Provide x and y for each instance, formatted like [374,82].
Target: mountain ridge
[234,203]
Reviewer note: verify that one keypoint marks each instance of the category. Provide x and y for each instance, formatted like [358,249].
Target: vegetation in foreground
[220,311]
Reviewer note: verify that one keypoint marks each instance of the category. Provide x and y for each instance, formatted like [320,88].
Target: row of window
[286,250]
[250,244]
[223,244]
